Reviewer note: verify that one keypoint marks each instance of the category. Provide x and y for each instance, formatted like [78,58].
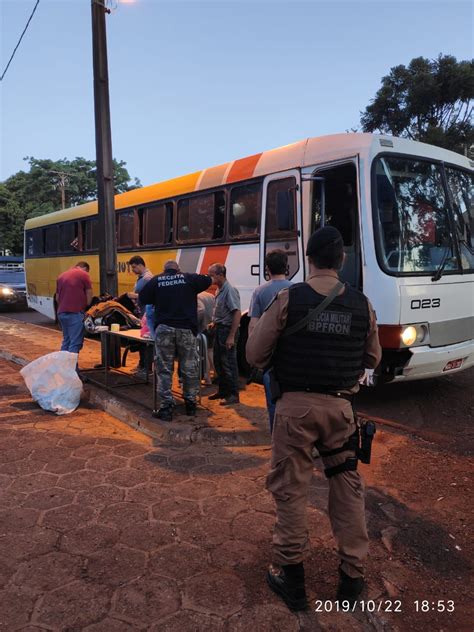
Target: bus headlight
[7,292]
[414,335]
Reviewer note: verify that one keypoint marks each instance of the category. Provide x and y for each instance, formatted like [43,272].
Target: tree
[45,187]
[429,101]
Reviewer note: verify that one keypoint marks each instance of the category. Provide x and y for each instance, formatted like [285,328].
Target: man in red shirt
[73,296]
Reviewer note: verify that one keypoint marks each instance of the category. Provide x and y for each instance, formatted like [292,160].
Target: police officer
[318,361]
[174,295]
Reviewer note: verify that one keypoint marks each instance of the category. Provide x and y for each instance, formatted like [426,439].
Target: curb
[138,418]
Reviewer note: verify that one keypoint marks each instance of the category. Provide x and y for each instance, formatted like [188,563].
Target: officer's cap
[324,239]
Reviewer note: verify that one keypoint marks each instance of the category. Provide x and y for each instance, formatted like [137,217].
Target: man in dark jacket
[318,359]
[174,295]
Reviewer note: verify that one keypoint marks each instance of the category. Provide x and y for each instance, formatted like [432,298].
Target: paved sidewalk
[242,424]
[104,529]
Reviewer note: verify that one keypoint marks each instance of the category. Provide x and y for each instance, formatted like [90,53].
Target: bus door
[335,202]
[281,222]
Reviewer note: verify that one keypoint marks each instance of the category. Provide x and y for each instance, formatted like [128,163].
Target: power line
[19,41]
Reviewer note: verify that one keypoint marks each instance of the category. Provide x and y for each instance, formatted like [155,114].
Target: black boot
[165,413]
[288,583]
[190,408]
[349,588]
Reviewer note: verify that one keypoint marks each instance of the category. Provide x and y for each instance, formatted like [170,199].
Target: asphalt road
[28,316]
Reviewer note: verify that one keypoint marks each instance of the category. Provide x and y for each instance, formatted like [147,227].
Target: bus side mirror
[285,210]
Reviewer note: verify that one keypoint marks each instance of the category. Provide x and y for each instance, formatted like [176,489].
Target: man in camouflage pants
[174,295]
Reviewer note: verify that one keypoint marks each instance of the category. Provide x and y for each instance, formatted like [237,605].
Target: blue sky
[194,84]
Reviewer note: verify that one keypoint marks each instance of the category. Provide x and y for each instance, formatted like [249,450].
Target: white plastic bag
[53,381]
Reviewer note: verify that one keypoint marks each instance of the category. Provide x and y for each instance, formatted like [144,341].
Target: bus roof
[300,154]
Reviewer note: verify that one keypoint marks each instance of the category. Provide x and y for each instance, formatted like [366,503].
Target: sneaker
[190,408]
[165,413]
[231,399]
[288,583]
[216,396]
[349,588]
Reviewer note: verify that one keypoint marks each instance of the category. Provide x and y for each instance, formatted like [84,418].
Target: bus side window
[68,237]
[201,217]
[34,242]
[90,234]
[245,205]
[157,224]
[125,229]
[51,240]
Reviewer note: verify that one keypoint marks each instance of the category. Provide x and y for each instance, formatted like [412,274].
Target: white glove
[368,378]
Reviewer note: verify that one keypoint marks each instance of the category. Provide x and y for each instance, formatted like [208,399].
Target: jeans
[72,325]
[270,404]
[225,362]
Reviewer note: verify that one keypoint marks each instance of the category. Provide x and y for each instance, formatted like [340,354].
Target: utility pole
[103,141]
[63,179]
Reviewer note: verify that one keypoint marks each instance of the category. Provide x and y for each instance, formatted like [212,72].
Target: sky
[195,84]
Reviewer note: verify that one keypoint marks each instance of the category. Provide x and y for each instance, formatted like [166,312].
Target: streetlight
[103,141]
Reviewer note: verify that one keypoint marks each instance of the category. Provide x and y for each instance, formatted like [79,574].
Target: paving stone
[166,477]
[260,525]
[185,462]
[221,593]
[48,571]
[124,514]
[206,533]
[106,463]
[91,451]
[74,606]
[12,499]
[83,479]
[51,452]
[63,466]
[15,453]
[187,621]
[116,566]
[224,507]
[178,561]
[125,477]
[68,517]
[131,450]
[33,482]
[76,441]
[49,498]
[33,541]
[265,618]
[262,502]
[89,539]
[16,607]
[148,493]
[147,601]
[22,467]
[235,553]
[149,462]
[176,510]
[7,570]
[211,471]
[101,495]
[148,536]
[195,489]
[112,625]
[233,485]
[17,518]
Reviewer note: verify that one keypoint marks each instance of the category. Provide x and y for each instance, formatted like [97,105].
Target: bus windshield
[412,217]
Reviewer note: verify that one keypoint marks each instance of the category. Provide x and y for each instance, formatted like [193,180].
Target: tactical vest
[327,354]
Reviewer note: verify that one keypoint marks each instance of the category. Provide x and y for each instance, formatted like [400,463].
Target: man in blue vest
[174,295]
[320,337]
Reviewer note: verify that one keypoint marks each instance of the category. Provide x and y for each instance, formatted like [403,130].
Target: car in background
[12,283]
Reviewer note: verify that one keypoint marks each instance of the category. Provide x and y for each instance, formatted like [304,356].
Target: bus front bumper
[426,362]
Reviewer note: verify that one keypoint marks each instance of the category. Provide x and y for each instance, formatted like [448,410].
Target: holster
[275,390]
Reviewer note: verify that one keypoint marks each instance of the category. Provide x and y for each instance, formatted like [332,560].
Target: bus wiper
[439,272]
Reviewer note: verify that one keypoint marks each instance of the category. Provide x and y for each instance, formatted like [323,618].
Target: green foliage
[429,101]
[39,191]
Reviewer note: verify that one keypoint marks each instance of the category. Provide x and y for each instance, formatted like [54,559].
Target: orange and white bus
[405,210]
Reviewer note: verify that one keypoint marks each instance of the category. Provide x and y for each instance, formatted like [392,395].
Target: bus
[404,208]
